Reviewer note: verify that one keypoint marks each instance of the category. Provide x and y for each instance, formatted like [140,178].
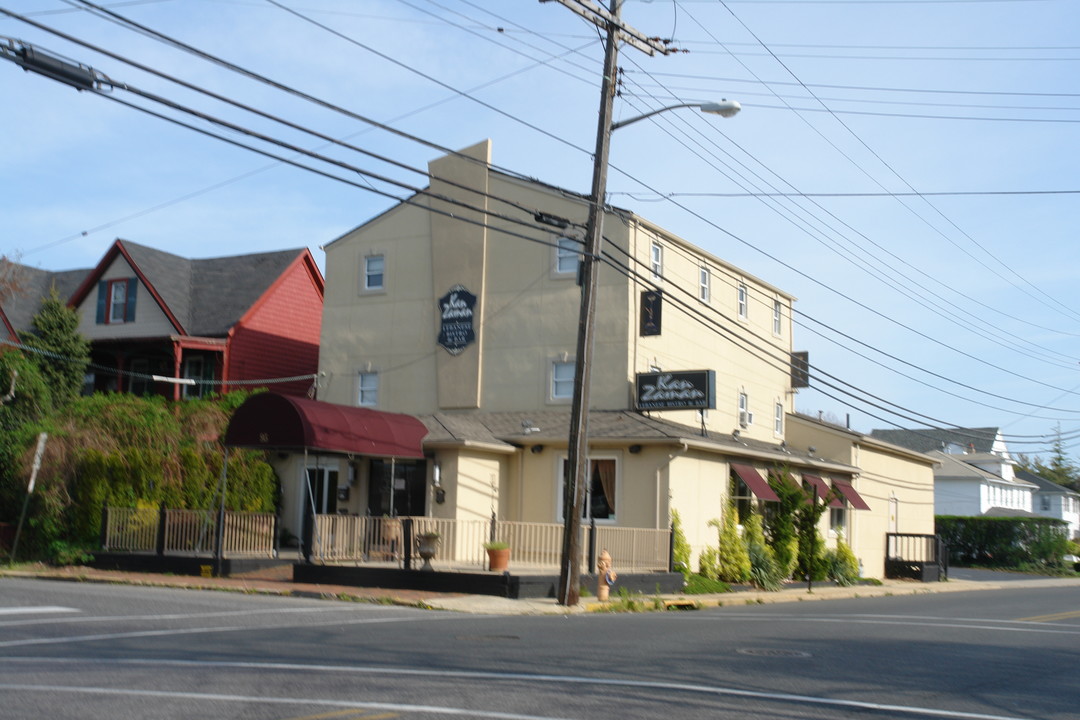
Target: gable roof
[200,297]
[17,312]
[979,440]
[960,467]
[1045,485]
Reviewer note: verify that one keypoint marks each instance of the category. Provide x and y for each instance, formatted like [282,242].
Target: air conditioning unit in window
[746,418]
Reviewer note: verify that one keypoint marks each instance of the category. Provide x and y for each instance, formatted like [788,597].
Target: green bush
[842,565]
[732,559]
[1004,542]
[764,571]
[680,546]
[701,585]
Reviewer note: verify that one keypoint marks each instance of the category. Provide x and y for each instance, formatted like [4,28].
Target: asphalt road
[70,650]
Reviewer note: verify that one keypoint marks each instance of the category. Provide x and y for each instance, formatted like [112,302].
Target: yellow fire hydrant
[605,576]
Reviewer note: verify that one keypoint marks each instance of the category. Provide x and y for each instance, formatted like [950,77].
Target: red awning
[281,422]
[848,491]
[754,481]
[823,490]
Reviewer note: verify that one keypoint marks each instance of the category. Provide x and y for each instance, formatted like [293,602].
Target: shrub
[732,560]
[1004,542]
[764,572]
[680,546]
[842,565]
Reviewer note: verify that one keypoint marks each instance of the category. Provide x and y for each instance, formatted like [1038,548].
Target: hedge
[1003,542]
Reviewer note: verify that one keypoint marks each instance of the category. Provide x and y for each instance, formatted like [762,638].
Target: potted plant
[427,546]
[498,555]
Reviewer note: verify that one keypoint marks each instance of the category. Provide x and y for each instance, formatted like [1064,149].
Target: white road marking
[351,608]
[31,610]
[247,699]
[196,631]
[1046,628]
[540,678]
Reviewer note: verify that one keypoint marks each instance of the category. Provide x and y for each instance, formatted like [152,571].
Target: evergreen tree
[1060,469]
[62,353]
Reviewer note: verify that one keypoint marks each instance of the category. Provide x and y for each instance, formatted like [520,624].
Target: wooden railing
[187,532]
[350,538]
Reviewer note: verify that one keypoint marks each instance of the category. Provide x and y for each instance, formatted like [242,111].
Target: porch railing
[187,532]
[918,557]
[362,539]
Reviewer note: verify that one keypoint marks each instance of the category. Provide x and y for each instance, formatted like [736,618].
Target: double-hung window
[742,298]
[367,394]
[778,419]
[657,261]
[374,272]
[704,284]
[777,318]
[562,380]
[116,301]
[567,256]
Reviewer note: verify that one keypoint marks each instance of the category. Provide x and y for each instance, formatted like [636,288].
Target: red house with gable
[163,324]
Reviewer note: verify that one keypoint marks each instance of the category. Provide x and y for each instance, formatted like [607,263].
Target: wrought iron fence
[187,532]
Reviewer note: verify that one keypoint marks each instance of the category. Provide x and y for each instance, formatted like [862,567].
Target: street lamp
[578,444]
[724,108]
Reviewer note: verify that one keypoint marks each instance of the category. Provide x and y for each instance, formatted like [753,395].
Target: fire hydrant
[605,576]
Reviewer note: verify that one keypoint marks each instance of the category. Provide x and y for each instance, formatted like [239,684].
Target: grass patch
[701,585]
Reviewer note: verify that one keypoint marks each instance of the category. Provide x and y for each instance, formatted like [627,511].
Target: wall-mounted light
[436,477]
[536,449]
[634,449]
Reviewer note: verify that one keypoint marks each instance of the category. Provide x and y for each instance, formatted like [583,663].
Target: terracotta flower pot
[498,560]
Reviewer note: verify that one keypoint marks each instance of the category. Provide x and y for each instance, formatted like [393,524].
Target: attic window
[116,301]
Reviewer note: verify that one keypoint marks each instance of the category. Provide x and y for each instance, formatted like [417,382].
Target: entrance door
[397,488]
[320,495]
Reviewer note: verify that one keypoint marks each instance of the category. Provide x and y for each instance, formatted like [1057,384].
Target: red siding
[279,337]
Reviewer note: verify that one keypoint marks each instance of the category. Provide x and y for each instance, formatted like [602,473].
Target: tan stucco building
[458,307]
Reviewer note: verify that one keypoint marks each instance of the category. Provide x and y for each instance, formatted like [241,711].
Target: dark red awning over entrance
[281,422]
[754,481]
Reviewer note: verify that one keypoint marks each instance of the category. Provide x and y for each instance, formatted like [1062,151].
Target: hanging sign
[686,390]
[456,315]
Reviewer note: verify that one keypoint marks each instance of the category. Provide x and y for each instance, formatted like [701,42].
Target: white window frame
[561,387]
[367,389]
[567,256]
[838,520]
[742,298]
[111,317]
[656,259]
[562,470]
[746,418]
[368,274]
[704,284]
[778,419]
[777,318]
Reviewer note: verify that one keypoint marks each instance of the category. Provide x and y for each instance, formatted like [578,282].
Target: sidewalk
[277,582]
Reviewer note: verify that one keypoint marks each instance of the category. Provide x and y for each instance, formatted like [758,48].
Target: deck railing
[187,532]
[362,539]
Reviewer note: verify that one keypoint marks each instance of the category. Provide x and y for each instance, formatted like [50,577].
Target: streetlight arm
[724,108]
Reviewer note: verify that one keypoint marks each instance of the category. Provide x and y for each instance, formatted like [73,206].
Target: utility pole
[578,453]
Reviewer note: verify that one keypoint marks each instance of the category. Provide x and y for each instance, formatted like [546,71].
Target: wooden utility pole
[578,461]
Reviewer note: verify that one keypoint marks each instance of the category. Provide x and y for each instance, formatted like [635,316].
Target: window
[657,261]
[704,284]
[838,519]
[742,297]
[746,418]
[600,491]
[777,318]
[741,497]
[368,390]
[562,380]
[199,369]
[1045,503]
[374,268]
[778,419]
[116,301]
[567,255]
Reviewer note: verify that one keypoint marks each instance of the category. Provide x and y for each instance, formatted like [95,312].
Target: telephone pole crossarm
[603,19]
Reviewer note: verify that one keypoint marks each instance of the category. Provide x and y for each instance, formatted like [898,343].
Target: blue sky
[900,166]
